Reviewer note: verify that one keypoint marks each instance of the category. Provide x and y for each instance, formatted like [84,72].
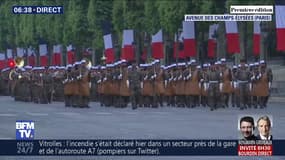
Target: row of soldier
[144,85]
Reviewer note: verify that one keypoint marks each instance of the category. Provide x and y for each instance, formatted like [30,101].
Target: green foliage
[82,23]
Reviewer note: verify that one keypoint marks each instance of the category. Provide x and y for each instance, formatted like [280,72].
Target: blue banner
[127,147]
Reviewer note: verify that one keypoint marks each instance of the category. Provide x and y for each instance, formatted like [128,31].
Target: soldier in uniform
[263,84]
[204,86]
[83,84]
[169,86]
[4,81]
[47,85]
[158,84]
[68,88]
[243,78]
[213,78]
[180,85]
[235,92]
[123,78]
[75,74]
[134,84]
[226,79]
[192,85]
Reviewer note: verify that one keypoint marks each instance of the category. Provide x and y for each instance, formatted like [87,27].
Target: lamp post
[264,40]
[177,46]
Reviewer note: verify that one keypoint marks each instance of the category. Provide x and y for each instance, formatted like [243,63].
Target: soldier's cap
[5,69]
[262,62]
[82,61]
[218,62]
[192,61]
[77,63]
[256,63]
[246,65]
[28,67]
[51,67]
[142,65]
[162,66]
[181,64]
[234,67]
[251,64]
[239,65]
[129,67]
[223,59]
[103,67]
[156,61]
[198,67]
[205,65]
[108,65]
[22,69]
[68,66]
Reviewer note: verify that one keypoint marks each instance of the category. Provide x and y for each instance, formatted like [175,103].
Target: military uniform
[213,78]
[243,78]
[135,86]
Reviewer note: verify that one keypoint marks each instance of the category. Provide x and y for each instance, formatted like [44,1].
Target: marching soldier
[213,78]
[193,85]
[83,84]
[180,85]
[235,92]
[226,80]
[68,87]
[158,85]
[124,89]
[204,85]
[135,85]
[263,84]
[243,78]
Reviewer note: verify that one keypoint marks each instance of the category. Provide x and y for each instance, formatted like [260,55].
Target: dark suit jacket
[253,137]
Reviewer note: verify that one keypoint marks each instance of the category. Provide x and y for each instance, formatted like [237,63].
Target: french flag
[10,55]
[43,55]
[70,54]
[128,52]
[109,51]
[31,57]
[157,45]
[256,38]
[280,24]
[56,56]
[20,52]
[212,43]
[2,61]
[232,37]
[178,49]
[189,38]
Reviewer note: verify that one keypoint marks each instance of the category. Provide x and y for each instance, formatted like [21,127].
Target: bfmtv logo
[25,130]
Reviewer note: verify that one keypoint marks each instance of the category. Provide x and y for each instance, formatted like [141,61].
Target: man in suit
[264,127]
[247,128]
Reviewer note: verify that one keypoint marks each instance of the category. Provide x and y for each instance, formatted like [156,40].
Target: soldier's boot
[75,100]
[66,101]
[86,101]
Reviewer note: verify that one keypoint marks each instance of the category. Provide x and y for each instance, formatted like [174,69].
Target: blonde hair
[265,118]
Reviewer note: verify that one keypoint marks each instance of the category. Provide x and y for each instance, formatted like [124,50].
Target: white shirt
[265,138]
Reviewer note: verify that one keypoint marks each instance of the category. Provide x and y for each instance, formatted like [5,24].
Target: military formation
[188,84]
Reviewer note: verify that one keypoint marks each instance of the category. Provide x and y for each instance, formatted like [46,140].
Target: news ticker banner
[237,13]
[37,9]
[141,147]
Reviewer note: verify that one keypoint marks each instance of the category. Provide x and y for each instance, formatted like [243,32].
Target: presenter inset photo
[264,128]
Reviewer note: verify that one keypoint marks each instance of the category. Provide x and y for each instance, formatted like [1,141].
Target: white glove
[221,74]
[145,78]
[250,86]
[165,83]
[252,78]
[221,86]
[202,80]
[235,85]
[120,76]
[180,77]
[128,84]
[99,81]
[90,84]
[269,85]
[199,85]
[141,85]
[105,79]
